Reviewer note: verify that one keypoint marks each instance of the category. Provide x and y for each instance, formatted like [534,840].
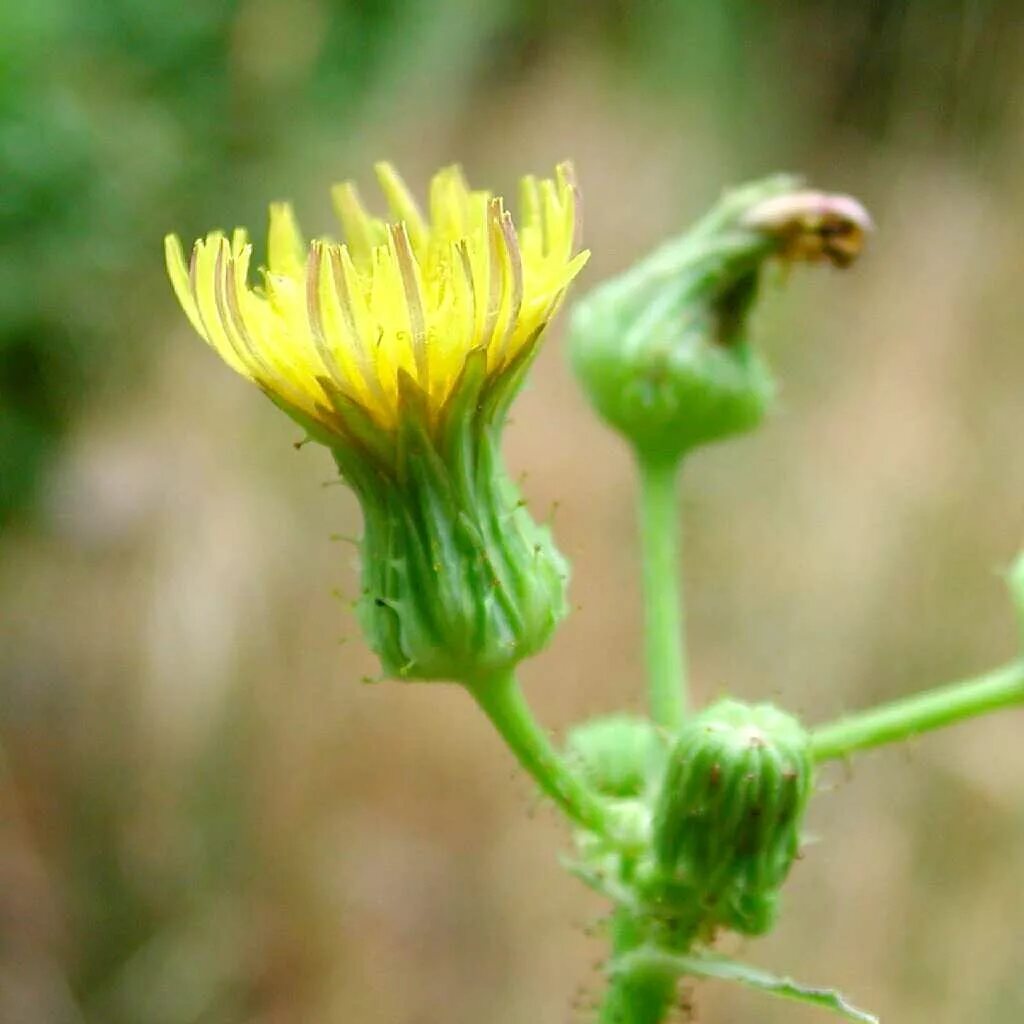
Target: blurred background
[205,816]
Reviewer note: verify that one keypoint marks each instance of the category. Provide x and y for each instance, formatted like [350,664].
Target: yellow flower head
[342,324]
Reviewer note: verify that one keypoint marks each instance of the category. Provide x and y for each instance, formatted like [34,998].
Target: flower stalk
[639,993]
[665,627]
[935,709]
[501,700]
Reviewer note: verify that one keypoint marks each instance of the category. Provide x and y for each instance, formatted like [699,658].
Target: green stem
[665,628]
[637,996]
[1003,687]
[502,700]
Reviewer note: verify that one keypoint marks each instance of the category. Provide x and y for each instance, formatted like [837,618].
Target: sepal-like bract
[459,582]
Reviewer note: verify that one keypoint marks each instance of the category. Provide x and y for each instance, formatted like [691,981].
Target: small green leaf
[711,965]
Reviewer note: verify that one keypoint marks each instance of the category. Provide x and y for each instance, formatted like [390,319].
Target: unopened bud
[663,350]
[728,818]
[618,755]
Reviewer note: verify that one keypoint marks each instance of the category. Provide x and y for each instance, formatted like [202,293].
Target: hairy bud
[618,754]
[728,818]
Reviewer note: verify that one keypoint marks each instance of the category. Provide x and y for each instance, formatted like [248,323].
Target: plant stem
[502,700]
[638,996]
[665,628]
[933,709]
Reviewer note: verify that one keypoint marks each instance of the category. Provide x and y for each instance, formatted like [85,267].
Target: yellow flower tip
[569,189]
[401,203]
[285,247]
[342,323]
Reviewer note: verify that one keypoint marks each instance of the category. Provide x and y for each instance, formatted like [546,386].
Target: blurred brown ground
[180,649]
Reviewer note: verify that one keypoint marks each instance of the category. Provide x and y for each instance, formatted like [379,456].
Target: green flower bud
[459,582]
[728,818]
[617,755]
[663,351]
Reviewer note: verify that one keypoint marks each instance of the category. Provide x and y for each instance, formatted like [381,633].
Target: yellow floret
[412,295]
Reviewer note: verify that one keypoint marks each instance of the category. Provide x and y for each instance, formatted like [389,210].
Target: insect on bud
[728,818]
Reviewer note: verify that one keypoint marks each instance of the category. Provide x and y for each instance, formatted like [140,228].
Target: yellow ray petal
[414,296]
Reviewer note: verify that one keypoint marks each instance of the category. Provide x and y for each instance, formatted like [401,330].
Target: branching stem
[890,723]
[637,995]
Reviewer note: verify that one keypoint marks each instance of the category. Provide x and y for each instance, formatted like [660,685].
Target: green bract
[459,582]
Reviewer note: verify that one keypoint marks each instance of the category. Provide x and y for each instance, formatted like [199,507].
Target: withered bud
[813,226]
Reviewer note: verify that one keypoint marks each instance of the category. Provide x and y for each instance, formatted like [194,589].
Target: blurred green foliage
[90,99]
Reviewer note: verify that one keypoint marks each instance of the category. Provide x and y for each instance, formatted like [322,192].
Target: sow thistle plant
[401,350]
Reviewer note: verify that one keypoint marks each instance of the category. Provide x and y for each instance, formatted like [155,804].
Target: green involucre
[459,582]
[727,821]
